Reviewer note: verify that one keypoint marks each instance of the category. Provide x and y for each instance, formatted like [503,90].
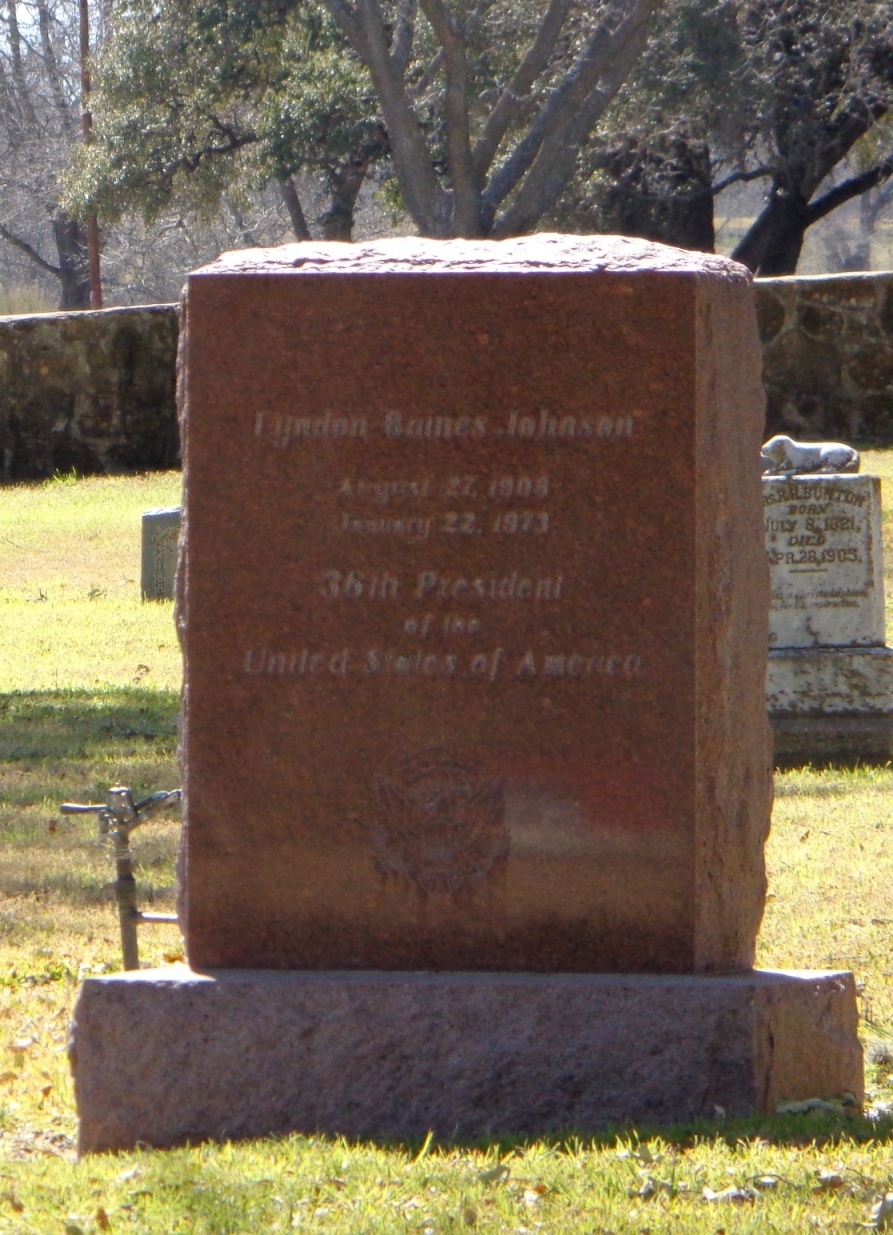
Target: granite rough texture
[828,355]
[733,783]
[828,681]
[453,698]
[162,1057]
[89,391]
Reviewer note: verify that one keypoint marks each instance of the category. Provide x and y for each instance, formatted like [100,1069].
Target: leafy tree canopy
[792,94]
[194,99]
[481,106]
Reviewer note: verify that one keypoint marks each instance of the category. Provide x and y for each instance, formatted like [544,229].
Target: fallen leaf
[496,1174]
[72,1228]
[102,1220]
[736,1196]
[174,957]
[14,1203]
[469,1216]
[828,1181]
[881,1213]
[650,1187]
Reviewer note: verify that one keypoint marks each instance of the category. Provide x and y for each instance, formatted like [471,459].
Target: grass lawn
[89,676]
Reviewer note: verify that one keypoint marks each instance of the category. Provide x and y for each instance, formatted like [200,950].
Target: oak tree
[789,94]
[479,107]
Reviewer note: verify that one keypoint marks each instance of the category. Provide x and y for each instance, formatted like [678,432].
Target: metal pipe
[87,131]
[117,819]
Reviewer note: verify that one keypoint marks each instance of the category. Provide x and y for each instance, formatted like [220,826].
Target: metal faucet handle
[157,801]
[120,811]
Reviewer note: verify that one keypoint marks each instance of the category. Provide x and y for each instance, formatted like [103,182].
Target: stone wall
[95,391]
[828,356]
[89,391]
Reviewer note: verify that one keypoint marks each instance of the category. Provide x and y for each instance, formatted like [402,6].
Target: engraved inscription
[805,527]
[821,542]
[497,664]
[303,428]
[457,630]
[432,585]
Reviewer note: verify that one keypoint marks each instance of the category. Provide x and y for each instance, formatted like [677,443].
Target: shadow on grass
[815,1129]
[78,891]
[80,724]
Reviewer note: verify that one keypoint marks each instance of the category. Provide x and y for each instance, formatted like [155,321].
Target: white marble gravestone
[823,538]
[826,627]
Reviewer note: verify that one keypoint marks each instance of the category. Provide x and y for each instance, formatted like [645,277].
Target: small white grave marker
[161,531]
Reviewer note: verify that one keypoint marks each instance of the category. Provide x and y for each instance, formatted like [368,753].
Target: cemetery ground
[89,678]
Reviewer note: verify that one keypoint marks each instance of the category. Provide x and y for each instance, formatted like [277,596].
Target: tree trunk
[774,241]
[661,192]
[344,185]
[74,269]
[294,208]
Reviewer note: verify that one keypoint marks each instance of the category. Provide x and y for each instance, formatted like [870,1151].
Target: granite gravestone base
[475,749]
[166,1057]
[829,684]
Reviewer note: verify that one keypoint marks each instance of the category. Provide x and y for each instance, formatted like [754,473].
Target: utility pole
[87,130]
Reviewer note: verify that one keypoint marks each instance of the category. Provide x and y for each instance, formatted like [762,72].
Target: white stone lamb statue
[782,456]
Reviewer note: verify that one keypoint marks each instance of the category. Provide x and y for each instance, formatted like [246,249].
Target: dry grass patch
[70,608]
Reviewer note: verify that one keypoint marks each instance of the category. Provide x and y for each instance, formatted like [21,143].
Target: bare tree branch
[423,84]
[24,247]
[364,28]
[404,33]
[740,178]
[851,188]
[466,214]
[517,92]
[574,106]
[52,68]
[556,158]
[293,206]
[18,68]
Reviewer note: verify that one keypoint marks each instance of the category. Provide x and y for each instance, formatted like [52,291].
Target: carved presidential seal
[439,826]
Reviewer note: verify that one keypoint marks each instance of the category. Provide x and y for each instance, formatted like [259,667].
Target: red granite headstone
[475,608]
